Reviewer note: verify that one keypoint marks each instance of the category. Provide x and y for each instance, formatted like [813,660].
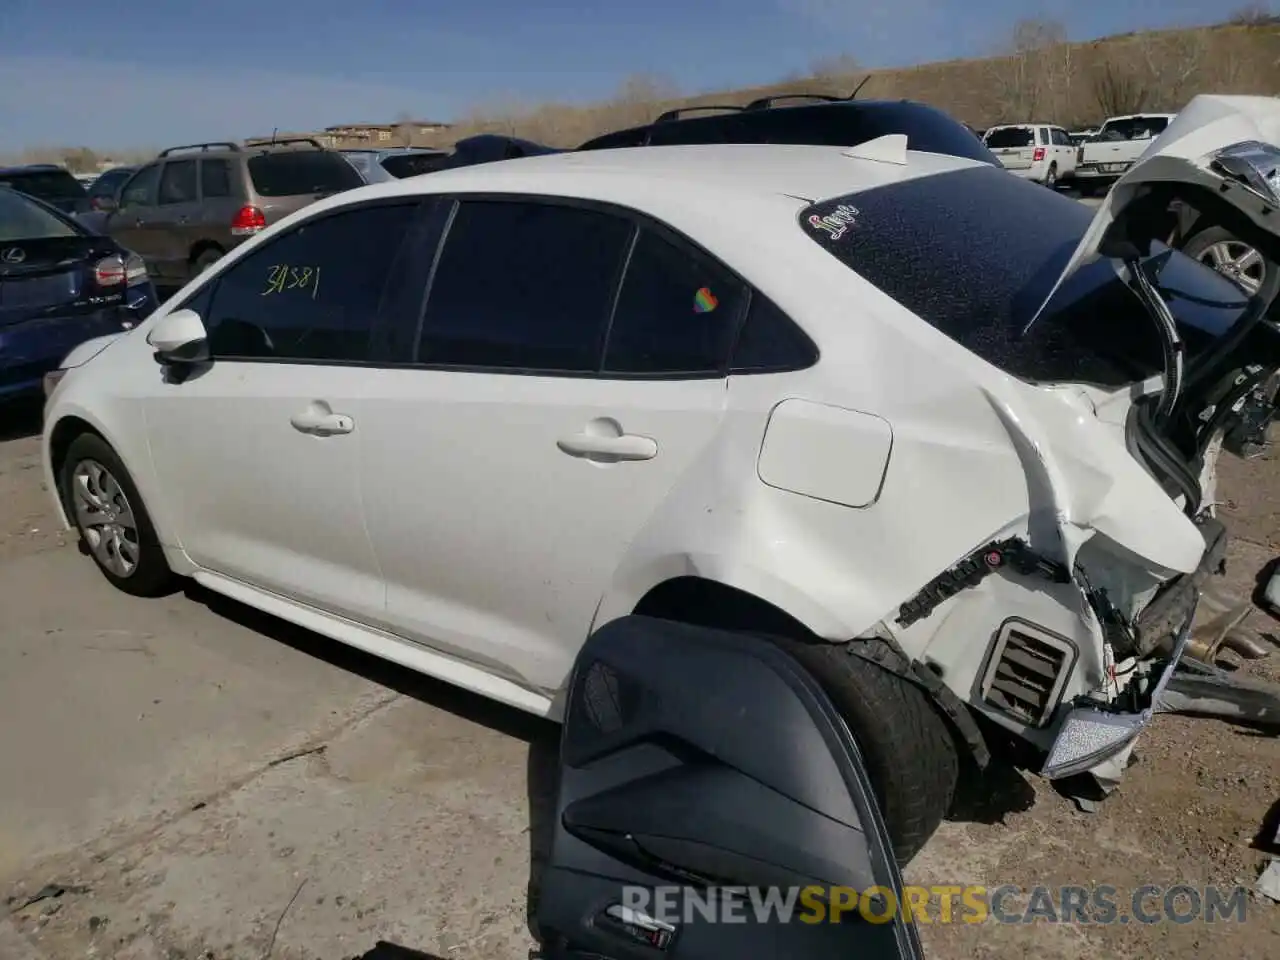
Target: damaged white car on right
[942,434]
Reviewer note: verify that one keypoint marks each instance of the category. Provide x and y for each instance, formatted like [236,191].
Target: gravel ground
[385,807]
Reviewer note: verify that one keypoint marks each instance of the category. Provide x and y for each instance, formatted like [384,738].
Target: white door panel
[263,474]
[496,526]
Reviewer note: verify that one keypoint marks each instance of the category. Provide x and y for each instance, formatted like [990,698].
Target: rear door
[1064,151]
[1014,147]
[512,458]
[283,181]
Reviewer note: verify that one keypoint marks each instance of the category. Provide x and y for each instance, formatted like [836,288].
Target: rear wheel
[206,259]
[1236,260]
[1051,178]
[909,751]
[109,514]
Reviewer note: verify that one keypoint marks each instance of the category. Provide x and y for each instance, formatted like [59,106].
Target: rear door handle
[322,424]
[609,449]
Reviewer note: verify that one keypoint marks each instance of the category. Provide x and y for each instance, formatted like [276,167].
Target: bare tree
[1254,15]
[1118,89]
[1035,58]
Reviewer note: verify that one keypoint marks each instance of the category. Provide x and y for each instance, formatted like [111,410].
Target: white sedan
[462,421]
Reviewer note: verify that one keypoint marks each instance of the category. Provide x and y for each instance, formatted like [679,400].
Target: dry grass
[1040,77]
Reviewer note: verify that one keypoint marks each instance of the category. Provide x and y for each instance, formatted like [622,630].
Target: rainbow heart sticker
[704,301]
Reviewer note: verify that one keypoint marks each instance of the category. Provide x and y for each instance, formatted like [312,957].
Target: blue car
[60,285]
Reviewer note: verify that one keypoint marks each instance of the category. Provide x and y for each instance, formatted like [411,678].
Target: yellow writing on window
[282,277]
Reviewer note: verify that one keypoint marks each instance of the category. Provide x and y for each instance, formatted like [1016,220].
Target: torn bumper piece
[1091,735]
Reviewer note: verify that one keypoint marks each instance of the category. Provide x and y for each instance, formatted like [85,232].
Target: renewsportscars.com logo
[1096,904]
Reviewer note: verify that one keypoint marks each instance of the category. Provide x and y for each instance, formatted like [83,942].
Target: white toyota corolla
[922,422]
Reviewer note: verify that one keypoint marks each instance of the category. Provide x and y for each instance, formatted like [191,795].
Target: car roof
[31,168]
[1138,116]
[658,178]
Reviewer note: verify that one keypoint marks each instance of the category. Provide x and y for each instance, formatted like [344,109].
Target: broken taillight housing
[118,271]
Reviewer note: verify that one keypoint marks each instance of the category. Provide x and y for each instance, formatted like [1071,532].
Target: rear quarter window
[974,253]
[292,173]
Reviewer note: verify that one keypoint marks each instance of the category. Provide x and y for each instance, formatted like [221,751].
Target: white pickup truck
[1105,156]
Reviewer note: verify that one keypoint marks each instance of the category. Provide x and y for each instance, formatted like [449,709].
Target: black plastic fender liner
[888,655]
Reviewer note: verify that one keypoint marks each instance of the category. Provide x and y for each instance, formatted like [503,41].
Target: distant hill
[1040,77]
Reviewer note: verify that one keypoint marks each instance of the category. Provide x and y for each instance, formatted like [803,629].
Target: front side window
[523,286]
[178,182]
[312,294]
[677,312]
[141,190]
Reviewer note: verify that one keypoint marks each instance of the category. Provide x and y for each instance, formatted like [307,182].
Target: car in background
[1104,157]
[1041,152]
[48,182]
[379,166]
[86,179]
[60,285]
[492,147]
[103,190]
[192,204]
[1079,137]
[826,120]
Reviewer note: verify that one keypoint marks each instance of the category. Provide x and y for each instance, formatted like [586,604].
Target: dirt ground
[376,806]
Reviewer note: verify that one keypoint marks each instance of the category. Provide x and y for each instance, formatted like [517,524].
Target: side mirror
[179,338]
[105,204]
[731,819]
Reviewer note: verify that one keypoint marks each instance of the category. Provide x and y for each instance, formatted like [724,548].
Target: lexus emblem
[13,255]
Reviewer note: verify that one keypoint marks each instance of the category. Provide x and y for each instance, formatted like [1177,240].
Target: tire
[1051,178]
[93,467]
[908,748]
[206,259]
[1200,246]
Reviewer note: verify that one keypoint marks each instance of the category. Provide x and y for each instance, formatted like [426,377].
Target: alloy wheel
[105,518]
[1238,262]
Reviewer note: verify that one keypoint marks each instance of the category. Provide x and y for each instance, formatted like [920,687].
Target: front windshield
[21,219]
[974,253]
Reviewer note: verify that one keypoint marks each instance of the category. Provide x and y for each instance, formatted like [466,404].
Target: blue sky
[150,72]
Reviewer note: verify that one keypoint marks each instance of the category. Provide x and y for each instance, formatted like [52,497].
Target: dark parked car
[834,121]
[50,183]
[60,285]
[379,166]
[491,147]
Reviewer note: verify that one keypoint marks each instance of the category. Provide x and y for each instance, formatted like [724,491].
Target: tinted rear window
[1010,137]
[45,184]
[293,173]
[975,252]
[20,219]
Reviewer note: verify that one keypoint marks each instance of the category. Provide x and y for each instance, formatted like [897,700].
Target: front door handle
[322,424]
[607,449]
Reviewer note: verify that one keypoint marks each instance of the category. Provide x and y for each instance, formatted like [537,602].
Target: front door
[177,207]
[513,461]
[260,449]
[130,224]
